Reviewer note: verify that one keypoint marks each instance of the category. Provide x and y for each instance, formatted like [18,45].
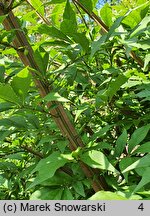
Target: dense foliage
[102,79]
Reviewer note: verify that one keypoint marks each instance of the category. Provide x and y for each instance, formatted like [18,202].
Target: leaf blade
[97,159]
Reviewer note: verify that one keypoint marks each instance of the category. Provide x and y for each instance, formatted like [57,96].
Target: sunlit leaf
[52,31]
[54,96]
[126,162]
[101,132]
[8,94]
[142,162]
[144,148]
[47,194]
[145,180]
[146,62]
[106,14]
[138,136]
[134,18]
[38,6]
[56,1]
[106,195]
[47,167]
[97,159]
[21,83]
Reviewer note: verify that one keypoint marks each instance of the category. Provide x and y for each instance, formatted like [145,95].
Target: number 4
[141,207]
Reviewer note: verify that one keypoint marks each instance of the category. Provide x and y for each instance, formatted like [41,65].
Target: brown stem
[59,115]
[93,16]
[91,37]
[137,59]
[30,150]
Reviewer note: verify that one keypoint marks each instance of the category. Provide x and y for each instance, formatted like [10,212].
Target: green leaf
[42,58]
[144,148]
[80,78]
[67,195]
[138,136]
[118,21]
[104,145]
[54,96]
[69,24]
[106,195]
[47,194]
[145,180]
[2,180]
[69,12]
[57,43]
[97,159]
[120,143]
[38,6]
[142,162]
[101,132]
[78,113]
[16,121]
[8,94]
[145,93]
[135,17]
[21,83]
[6,106]
[2,72]
[87,4]
[16,156]
[95,46]
[82,40]
[2,17]
[53,32]
[33,119]
[47,167]
[59,179]
[56,14]
[106,14]
[8,166]
[144,44]
[78,187]
[115,86]
[68,27]
[62,144]
[56,1]
[124,163]
[114,26]
[71,73]
[146,62]
[4,134]
[134,42]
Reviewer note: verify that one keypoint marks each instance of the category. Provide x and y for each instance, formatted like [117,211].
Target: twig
[43,18]
[83,19]
[106,29]
[29,149]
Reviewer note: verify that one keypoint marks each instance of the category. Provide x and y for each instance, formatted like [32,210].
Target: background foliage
[105,92]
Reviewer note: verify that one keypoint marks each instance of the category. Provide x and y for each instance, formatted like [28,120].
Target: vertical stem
[59,115]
